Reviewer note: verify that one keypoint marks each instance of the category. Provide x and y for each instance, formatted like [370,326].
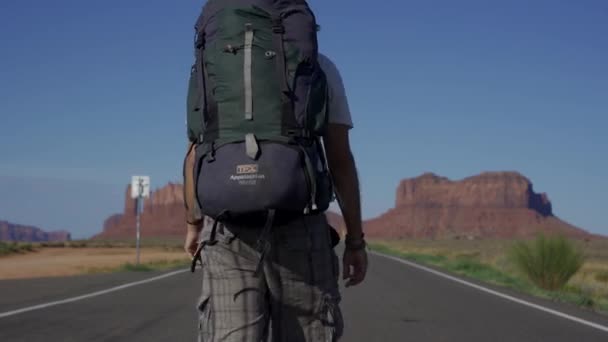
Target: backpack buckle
[277,26]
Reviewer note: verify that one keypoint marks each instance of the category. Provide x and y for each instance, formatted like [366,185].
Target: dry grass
[591,280]
[57,262]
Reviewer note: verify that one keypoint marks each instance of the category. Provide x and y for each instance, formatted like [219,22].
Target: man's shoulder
[339,110]
[328,66]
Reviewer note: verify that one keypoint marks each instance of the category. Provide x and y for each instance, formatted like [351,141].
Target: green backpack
[257,108]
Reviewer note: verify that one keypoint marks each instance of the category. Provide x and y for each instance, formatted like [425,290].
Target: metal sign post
[140,189]
[138,211]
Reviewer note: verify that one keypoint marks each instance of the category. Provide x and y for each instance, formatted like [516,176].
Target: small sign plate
[140,186]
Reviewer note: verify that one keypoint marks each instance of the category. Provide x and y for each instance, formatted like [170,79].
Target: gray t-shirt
[339,110]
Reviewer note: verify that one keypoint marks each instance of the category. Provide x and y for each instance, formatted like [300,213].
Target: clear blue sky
[93,92]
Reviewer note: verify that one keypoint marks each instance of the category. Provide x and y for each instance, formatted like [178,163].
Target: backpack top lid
[278,4]
[275,7]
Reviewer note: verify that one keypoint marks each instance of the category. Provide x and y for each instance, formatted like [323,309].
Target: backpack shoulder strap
[209,110]
[288,121]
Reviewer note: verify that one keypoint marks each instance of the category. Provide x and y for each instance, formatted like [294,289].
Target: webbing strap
[209,120]
[288,121]
[263,243]
[247,72]
[197,257]
[212,241]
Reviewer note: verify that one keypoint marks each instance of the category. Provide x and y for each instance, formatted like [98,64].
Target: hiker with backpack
[268,127]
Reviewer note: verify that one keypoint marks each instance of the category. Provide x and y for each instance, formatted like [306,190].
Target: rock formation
[162,215]
[489,205]
[21,233]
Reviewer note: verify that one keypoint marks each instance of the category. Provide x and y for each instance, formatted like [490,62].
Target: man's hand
[354,264]
[346,183]
[192,238]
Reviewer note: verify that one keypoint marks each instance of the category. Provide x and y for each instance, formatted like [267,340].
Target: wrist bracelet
[359,238]
[355,244]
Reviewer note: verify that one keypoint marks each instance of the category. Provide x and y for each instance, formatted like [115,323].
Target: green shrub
[53,244]
[76,244]
[602,276]
[4,248]
[13,247]
[468,266]
[27,247]
[549,262]
[136,268]
[575,294]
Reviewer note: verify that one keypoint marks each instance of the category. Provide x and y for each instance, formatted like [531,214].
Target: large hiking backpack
[257,109]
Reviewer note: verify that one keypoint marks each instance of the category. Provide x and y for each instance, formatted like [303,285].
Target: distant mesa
[497,190]
[22,233]
[488,205]
[163,215]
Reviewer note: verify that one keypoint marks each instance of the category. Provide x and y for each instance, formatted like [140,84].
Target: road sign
[140,186]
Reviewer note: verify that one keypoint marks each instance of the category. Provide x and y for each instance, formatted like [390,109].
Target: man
[297,297]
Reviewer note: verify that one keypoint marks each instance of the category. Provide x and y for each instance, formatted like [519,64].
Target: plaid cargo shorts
[295,298]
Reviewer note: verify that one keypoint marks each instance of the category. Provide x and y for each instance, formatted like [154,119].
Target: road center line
[89,295]
[507,297]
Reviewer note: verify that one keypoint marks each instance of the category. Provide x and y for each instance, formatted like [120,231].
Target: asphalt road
[397,302]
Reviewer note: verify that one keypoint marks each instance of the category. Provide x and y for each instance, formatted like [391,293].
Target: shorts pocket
[333,321]
[204,316]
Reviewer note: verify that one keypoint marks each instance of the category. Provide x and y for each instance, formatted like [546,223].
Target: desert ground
[58,262]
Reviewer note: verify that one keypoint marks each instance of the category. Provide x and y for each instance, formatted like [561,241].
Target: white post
[138,206]
[140,189]
[138,233]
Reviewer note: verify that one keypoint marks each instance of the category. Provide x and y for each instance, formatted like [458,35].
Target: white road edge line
[89,295]
[443,275]
[481,288]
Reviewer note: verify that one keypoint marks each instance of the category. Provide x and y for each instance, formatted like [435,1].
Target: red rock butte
[488,205]
[22,233]
[163,215]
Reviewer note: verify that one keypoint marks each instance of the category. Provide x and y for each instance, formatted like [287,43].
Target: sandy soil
[56,262]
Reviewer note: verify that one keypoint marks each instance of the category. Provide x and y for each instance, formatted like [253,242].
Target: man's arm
[346,183]
[337,147]
[194,220]
[193,213]
[344,174]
